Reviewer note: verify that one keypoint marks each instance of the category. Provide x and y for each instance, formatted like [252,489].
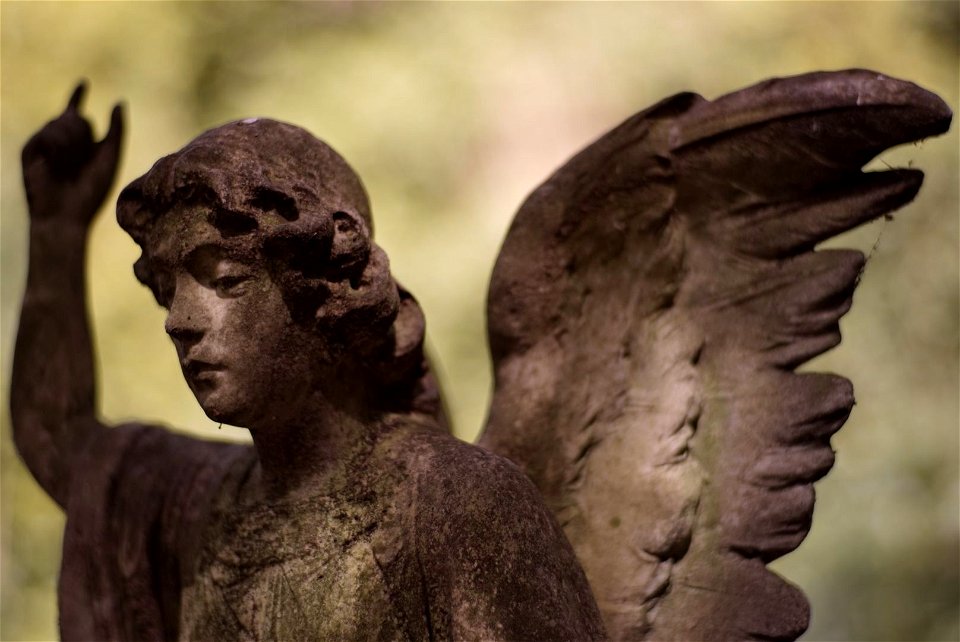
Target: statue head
[257,238]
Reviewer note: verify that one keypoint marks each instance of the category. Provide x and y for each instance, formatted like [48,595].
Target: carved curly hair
[305,213]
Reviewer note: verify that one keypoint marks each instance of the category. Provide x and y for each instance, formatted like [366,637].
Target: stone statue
[648,450]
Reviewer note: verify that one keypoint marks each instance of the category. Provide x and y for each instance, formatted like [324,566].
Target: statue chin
[218,413]
[221,416]
[222,407]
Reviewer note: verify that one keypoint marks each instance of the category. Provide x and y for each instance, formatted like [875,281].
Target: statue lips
[201,374]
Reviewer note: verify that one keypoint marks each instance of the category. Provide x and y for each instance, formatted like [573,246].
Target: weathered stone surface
[355,515]
[647,312]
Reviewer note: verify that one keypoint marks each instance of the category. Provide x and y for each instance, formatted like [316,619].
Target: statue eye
[230,285]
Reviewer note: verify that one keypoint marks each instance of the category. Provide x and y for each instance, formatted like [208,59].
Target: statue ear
[350,247]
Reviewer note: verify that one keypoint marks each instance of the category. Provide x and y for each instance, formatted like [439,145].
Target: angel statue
[649,447]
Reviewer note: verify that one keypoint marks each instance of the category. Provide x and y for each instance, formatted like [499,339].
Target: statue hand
[65,172]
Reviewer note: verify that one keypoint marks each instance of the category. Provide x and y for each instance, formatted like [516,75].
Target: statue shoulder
[492,557]
[445,470]
[146,496]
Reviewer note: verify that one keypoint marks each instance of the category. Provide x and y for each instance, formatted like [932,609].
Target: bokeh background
[451,113]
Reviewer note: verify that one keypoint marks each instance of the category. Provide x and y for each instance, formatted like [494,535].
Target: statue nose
[183,334]
[185,319]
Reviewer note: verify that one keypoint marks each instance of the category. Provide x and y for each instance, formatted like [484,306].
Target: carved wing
[646,314]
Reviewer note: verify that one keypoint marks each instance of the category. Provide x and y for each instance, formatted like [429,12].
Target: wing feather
[646,313]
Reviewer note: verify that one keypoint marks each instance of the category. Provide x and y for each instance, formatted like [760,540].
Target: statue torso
[305,568]
[422,538]
[299,571]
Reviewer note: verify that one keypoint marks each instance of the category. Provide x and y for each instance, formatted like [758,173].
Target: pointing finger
[115,134]
[77,96]
[107,154]
[116,122]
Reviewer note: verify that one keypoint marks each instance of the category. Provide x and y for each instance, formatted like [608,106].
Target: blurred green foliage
[451,113]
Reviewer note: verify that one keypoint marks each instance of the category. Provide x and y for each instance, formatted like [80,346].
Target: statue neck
[315,451]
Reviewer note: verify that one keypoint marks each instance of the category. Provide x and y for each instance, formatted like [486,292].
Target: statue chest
[303,571]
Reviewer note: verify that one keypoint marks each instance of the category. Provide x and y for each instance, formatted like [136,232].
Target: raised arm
[53,393]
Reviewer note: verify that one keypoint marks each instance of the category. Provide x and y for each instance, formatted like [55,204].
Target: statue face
[242,355]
